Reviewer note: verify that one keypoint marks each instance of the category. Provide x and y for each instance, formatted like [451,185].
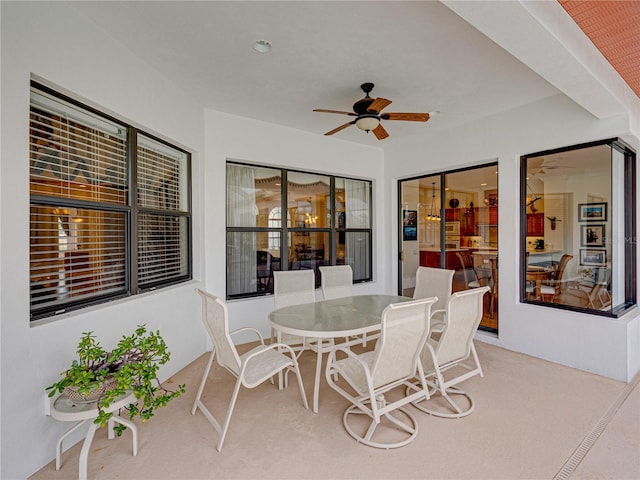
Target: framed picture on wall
[593,257]
[410,218]
[592,212]
[410,233]
[592,235]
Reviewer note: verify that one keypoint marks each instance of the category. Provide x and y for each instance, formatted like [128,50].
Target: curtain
[241,246]
[357,216]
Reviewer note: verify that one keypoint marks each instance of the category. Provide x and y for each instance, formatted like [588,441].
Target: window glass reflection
[574,254]
[308,200]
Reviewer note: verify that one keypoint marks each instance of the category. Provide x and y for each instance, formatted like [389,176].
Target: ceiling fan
[540,166]
[368,117]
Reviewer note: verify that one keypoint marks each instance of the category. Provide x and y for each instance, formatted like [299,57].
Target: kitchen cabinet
[468,223]
[535,225]
[452,214]
[465,216]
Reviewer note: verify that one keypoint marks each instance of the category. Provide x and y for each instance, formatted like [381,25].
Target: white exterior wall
[51,41]
[593,343]
[231,137]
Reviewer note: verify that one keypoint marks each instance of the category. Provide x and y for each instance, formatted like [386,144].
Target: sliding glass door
[450,220]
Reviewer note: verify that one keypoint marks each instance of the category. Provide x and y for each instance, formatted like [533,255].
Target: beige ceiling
[614,28]
[468,60]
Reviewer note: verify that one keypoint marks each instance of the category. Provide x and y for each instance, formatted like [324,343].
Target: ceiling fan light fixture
[367,122]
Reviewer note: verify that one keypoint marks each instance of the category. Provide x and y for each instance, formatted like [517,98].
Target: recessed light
[262,46]
[483,184]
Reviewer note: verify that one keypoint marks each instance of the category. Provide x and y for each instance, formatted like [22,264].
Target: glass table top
[360,313]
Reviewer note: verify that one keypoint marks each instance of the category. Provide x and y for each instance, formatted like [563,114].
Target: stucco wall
[237,138]
[597,344]
[49,40]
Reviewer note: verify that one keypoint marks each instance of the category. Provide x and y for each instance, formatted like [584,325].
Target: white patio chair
[293,287]
[434,282]
[392,364]
[251,368]
[337,282]
[452,349]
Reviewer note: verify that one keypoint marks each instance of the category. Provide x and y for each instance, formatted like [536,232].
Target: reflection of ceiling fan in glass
[541,165]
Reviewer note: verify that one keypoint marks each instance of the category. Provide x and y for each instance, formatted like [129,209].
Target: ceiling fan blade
[334,111]
[378,104]
[535,163]
[380,132]
[412,117]
[341,127]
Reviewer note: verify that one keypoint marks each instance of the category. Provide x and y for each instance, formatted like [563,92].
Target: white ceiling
[420,54]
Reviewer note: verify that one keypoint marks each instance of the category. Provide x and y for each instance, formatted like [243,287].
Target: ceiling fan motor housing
[361,107]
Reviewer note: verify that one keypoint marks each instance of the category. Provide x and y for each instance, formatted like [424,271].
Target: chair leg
[203,381]
[232,404]
[476,359]
[300,385]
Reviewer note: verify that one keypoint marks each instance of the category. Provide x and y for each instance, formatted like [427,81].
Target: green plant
[132,366]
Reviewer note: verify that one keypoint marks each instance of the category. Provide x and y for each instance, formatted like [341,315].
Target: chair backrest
[263,258]
[336,281]
[466,262]
[216,321]
[464,313]
[434,282]
[404,331]
[562,265]
[293,287]
[494,276]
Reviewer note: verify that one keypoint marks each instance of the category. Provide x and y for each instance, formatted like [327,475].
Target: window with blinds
[90,240]
[162,224]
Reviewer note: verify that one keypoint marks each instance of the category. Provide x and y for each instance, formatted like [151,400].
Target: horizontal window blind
[161,176]
[76,254]
[76,156]
[86,227]
[162,235]
[162,248]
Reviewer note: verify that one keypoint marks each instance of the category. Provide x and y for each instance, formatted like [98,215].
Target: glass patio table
[325,319]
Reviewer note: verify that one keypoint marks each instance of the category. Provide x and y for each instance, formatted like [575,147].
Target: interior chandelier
[433,216]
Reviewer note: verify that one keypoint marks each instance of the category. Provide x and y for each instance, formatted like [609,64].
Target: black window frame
[630,253]
[131,210]
[333,230]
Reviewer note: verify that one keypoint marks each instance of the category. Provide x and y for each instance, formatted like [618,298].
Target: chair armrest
[271,346]
[438,323]
[249,329]
[348,353]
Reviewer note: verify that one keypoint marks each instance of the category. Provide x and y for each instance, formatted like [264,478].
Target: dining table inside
[331,319]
